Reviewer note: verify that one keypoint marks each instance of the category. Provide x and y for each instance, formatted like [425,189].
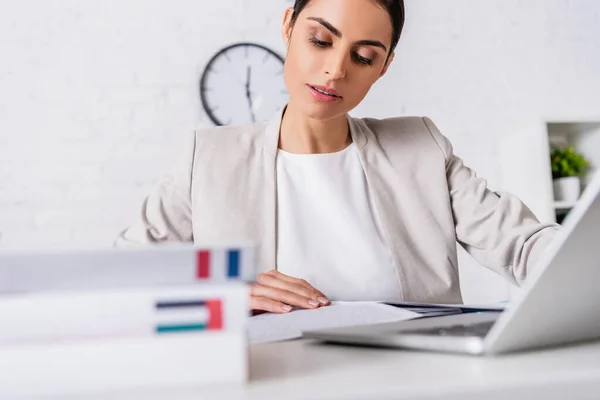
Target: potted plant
[568,166]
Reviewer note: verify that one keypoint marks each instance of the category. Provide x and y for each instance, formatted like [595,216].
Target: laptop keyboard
[471,330]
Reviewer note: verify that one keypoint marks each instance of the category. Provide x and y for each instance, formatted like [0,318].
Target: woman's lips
[324,93]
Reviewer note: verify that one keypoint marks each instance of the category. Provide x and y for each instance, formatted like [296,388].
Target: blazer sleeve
[496,228]
[166,213]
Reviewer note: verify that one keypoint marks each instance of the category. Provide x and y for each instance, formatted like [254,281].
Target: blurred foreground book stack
[124,319]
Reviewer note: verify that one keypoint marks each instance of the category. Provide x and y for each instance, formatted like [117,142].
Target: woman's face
[338,47]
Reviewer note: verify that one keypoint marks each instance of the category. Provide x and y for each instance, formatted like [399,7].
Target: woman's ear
[286,29]
[387,64]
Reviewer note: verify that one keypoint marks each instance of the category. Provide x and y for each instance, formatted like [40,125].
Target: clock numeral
[267,56]
[226,54]
[279,73]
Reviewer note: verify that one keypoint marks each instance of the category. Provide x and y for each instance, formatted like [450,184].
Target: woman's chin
[323,111]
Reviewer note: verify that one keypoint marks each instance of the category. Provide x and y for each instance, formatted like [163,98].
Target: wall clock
[242,84]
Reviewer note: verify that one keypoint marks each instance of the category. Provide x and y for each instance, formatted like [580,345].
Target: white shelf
[584,136]
[564,205]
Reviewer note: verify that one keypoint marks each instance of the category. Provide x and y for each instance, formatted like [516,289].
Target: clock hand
[248,95]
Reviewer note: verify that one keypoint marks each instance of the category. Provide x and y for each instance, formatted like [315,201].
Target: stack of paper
[276,327]
[123,319]
[437,310]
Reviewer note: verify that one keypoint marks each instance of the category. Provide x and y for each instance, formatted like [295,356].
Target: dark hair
[394,7]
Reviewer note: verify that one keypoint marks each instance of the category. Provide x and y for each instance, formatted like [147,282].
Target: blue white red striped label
[207,262]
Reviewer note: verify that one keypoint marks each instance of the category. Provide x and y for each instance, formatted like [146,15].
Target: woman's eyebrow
[336,32]
[331,28]
[375,43]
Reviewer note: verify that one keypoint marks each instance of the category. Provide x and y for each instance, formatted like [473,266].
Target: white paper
[275,327]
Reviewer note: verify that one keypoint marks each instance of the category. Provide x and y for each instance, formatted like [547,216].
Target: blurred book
[119,313]
[79,322]
[35,271]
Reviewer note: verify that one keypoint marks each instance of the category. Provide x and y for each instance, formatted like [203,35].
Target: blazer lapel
[382,195]
[267,254]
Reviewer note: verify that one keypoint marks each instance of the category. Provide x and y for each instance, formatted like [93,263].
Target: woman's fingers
[265,304]
[276,274]
[276,292]
[268,280]
[314,293]
[282,295]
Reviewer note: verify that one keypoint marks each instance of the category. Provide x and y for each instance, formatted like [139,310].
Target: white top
[327,227]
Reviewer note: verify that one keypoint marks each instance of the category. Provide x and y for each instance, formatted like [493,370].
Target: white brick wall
[94,94]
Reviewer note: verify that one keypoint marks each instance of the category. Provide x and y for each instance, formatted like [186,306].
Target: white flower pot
[567,189]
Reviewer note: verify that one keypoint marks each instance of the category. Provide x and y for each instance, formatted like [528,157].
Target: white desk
[307,370]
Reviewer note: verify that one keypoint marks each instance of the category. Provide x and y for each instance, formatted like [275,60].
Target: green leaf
[567,162]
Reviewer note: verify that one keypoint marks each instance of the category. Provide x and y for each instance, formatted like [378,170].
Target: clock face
[243,84]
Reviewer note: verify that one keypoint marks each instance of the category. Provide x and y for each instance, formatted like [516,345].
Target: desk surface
[307,369]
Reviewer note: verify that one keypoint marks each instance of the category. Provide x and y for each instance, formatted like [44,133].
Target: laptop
[559,304]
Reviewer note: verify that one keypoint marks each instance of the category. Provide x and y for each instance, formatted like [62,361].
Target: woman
[343,208]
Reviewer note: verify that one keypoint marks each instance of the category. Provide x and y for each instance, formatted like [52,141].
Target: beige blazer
[223,186]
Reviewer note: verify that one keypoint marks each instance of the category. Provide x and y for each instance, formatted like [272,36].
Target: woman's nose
[336,67]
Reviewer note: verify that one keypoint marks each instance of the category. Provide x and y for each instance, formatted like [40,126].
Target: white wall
[94,95]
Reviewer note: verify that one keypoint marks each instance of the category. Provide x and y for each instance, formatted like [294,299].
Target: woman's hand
[276,292]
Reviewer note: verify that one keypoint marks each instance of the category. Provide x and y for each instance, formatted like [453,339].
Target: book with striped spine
[130,267]
[120,313]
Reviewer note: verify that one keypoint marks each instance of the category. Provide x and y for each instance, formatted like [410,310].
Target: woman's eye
[357,57]
[363,60]
[319,43]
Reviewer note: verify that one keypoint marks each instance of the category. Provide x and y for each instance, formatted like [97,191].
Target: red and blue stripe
[205,267]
